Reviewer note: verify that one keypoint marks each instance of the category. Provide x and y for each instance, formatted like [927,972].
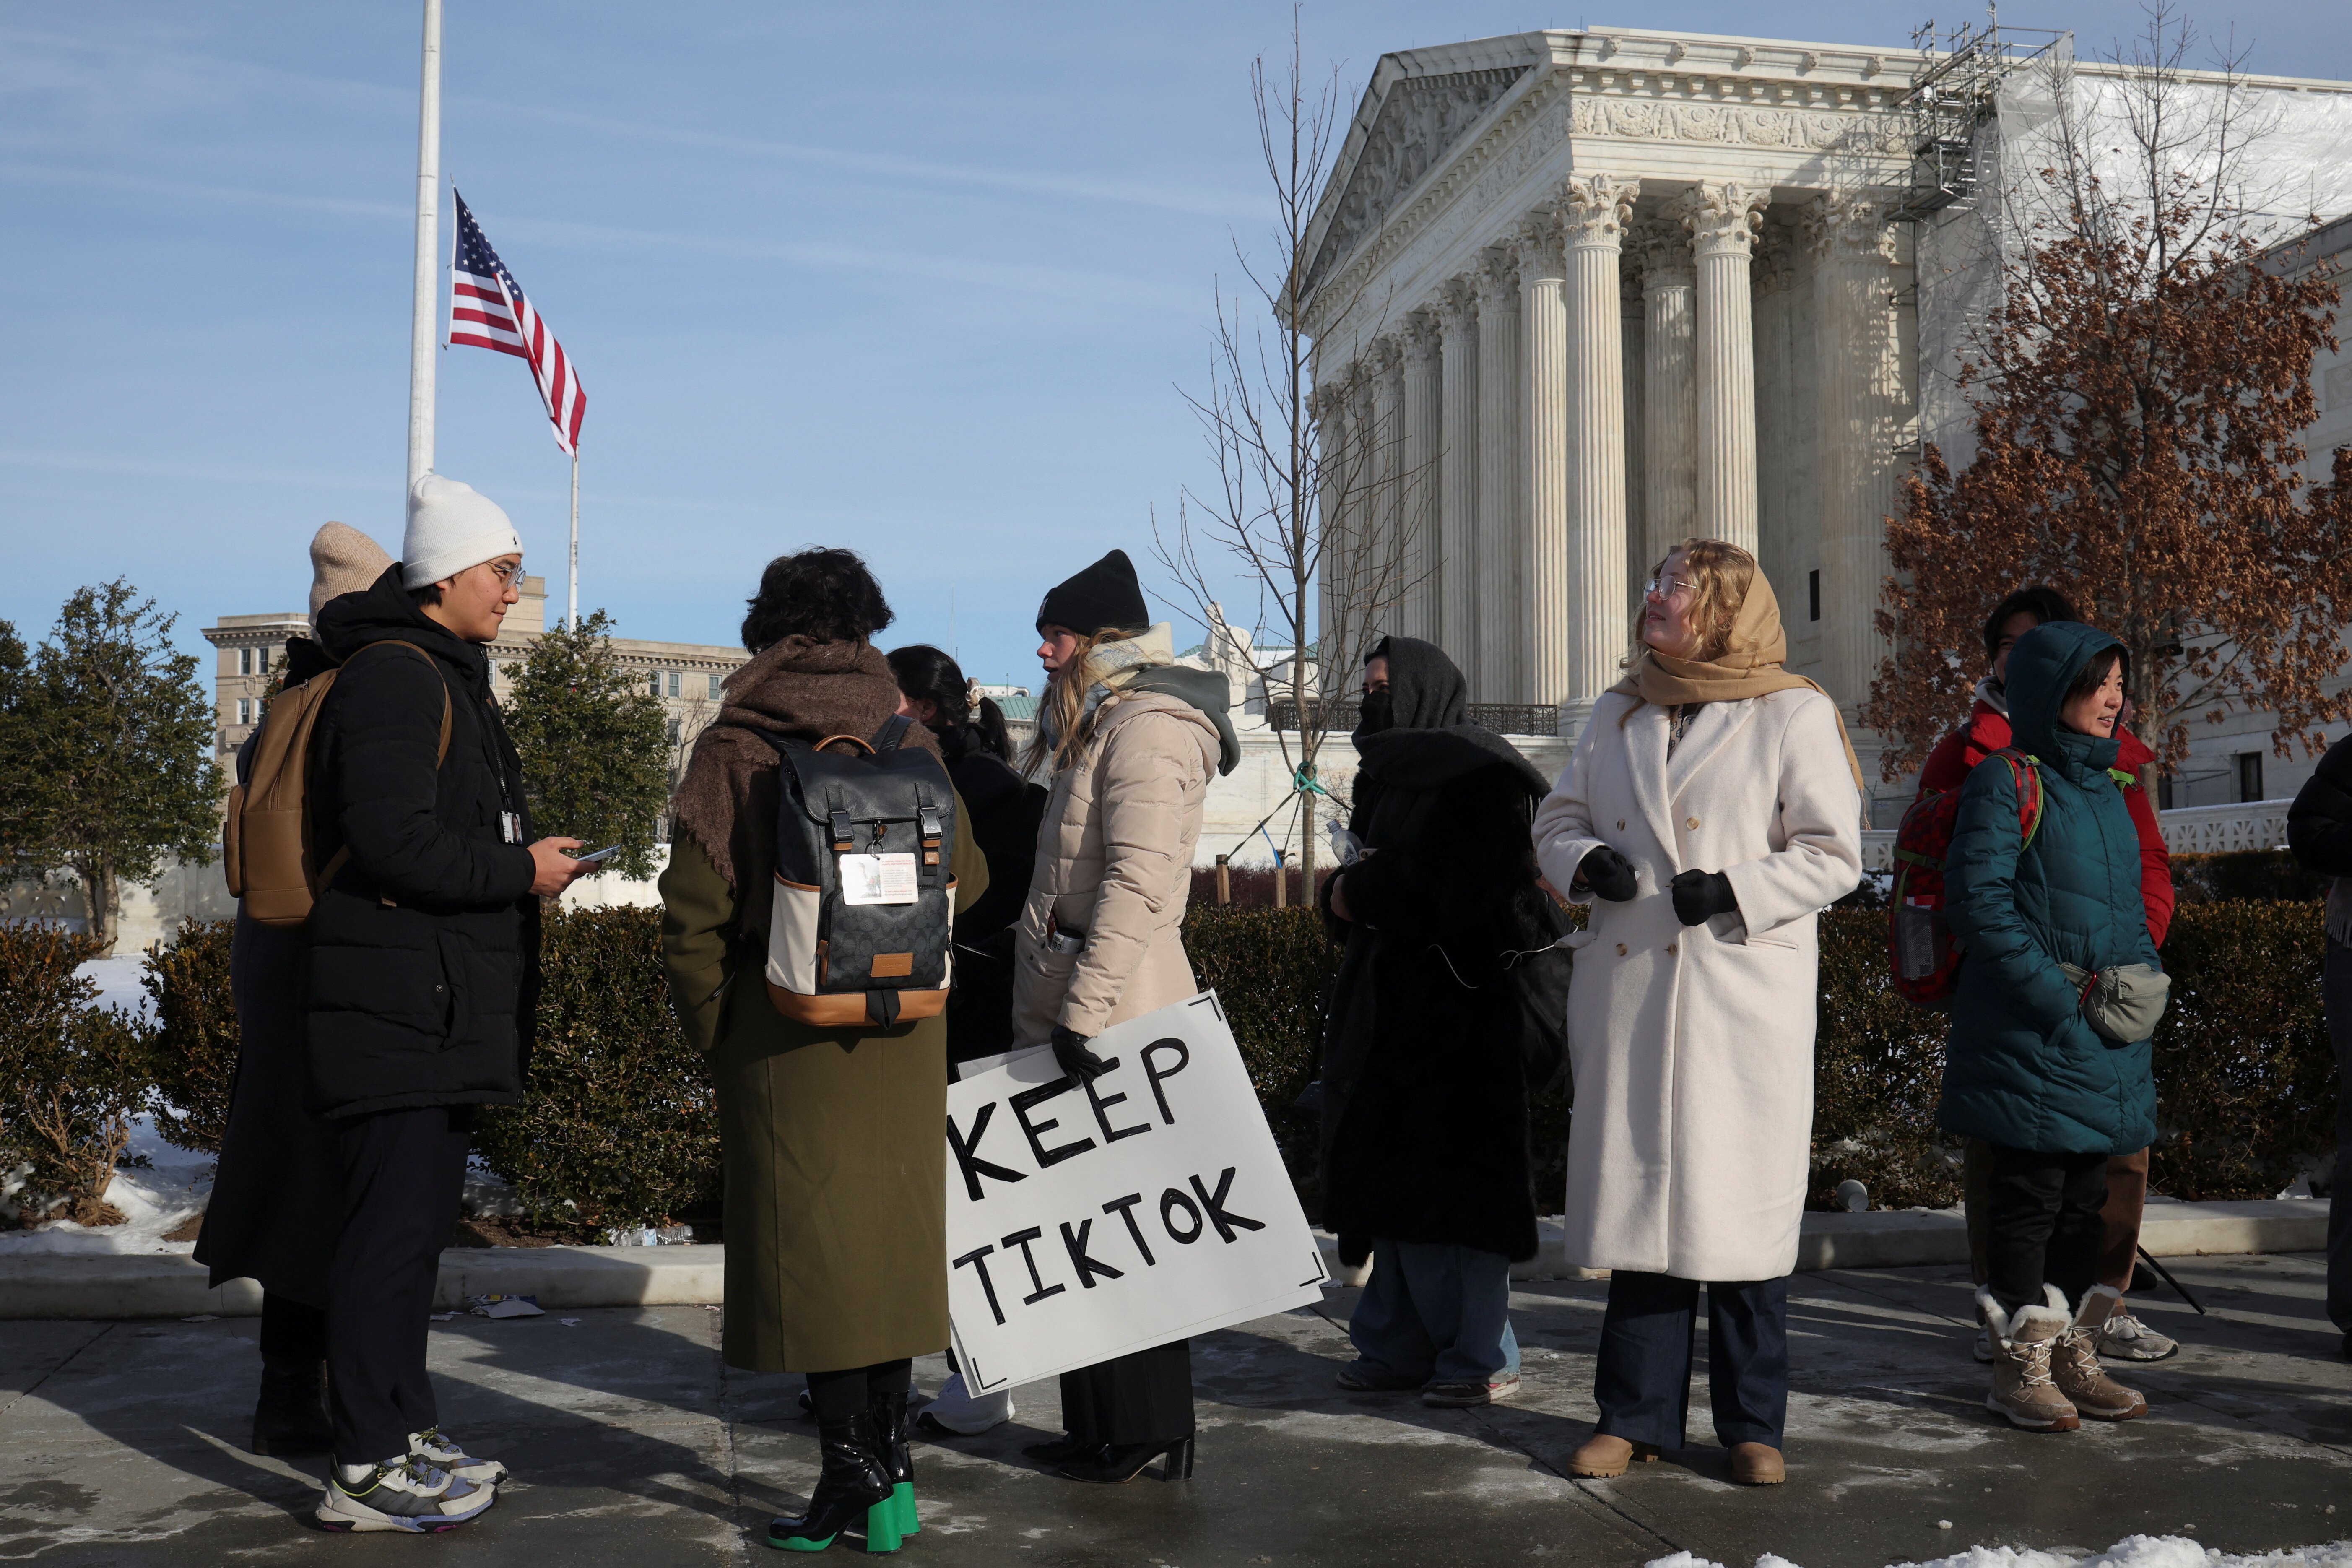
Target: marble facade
[1575,296]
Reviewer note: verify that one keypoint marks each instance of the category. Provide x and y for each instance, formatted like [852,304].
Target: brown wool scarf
[1749,666]
[804,689]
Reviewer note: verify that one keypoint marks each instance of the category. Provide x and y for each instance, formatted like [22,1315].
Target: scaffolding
[1951,102]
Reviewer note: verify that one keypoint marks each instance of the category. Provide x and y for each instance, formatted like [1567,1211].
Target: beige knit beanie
[342,561]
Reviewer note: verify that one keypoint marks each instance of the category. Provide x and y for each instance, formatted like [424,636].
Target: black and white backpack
[861,930]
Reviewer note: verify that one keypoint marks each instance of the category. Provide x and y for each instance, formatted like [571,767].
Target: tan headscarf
[1750,666]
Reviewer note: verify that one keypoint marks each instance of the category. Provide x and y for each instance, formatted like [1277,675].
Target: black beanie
[1104,597]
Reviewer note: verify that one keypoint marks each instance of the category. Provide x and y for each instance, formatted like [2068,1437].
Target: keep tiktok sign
[1085,1221]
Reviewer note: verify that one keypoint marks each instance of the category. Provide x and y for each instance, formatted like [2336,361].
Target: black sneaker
[403,1494]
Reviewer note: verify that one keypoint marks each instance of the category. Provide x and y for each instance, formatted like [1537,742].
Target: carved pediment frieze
[1420,118]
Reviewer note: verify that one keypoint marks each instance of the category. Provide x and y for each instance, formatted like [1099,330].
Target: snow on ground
[2134,1551]
[152,1202]
[118,982]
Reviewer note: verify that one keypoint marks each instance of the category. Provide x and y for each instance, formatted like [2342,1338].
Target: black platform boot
[888,1414]
[291,1416]
[852,1486]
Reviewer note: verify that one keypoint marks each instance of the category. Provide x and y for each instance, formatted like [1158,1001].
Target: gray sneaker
[443,1452]
[404,1494]
[2123,1337]
[1463,1395]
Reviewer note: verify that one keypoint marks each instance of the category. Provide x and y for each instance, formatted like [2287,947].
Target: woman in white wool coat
[1712,807]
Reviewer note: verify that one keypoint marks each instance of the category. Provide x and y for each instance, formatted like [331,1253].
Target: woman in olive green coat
[833,1139]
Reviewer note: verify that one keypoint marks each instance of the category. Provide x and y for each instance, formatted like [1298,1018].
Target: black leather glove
[1700,896]
[1071,1054]
[1609,874]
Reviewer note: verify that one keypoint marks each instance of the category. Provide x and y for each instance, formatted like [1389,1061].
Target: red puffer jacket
[1987,731]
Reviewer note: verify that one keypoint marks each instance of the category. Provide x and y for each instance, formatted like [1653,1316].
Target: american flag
[488,310]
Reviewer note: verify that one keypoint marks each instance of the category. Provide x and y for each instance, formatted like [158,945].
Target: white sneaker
[403,1494]
[2123,1337]
[443,1452]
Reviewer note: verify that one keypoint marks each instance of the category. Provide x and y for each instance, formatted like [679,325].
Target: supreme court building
[1576,296]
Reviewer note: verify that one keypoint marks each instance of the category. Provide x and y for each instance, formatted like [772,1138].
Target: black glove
[1607,873]
[1700,896]
[1071,1054]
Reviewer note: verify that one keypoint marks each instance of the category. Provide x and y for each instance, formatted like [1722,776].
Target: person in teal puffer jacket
[2024,1070]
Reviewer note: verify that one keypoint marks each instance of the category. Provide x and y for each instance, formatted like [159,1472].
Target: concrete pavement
[122,1444]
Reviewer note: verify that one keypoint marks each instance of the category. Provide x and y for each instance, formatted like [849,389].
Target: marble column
[1776,550]
[1589,622]
[1457,496]
[1384,541]
[1669,390]
[1853,306]
[1630,336]
[1423,466]
[1541,583]
[1363,511]
[1723,220]
[1499,477]
[1328,405]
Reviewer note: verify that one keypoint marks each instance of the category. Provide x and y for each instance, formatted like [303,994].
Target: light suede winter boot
[2021,1386]
[2074,1360]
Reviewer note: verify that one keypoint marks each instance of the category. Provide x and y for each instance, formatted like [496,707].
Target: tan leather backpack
[265,840]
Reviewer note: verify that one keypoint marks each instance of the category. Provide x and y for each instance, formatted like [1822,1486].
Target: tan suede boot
[1604,1456]
[2021,1386]
[2075,1361]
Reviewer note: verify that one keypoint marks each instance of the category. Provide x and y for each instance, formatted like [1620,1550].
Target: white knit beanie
[450,528]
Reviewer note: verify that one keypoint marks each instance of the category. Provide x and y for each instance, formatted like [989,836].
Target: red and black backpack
[1919,945]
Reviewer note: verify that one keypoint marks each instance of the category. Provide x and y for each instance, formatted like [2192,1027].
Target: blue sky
[919,280]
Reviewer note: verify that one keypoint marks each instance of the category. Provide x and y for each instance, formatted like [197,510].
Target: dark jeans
[2045,1225]
[2335,991]
[404,1177]
[1641,1380]
[1433,1312]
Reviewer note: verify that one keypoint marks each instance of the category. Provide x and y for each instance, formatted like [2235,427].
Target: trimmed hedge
[72,1075]
[2245,1078]
[191,1038]
[620,1128]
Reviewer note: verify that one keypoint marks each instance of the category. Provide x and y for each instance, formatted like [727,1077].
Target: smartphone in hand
[598,856]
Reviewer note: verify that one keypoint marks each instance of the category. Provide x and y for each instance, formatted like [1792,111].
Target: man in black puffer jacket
[423,964]
[2319,833]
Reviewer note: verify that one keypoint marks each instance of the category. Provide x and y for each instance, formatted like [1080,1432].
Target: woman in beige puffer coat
[1132,741]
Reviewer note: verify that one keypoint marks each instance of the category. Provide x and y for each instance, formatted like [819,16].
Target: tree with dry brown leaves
[2139,394]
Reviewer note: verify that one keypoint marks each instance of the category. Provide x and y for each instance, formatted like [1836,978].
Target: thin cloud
[208,473]
[1205,203]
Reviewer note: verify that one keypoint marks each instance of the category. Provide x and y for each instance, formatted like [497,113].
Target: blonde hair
[1721,573]
[1062,709]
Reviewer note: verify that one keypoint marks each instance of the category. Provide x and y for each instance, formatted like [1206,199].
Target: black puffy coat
[1425,1065]
[1005,811]
[2320,824]
[423,956]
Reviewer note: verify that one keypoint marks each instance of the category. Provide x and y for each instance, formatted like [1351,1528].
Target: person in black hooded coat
[1426,1068]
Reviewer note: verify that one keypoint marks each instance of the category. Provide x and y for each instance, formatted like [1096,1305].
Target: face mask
[1376,712]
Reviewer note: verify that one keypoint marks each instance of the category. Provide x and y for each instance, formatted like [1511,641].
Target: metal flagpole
[572,600]
[423,333]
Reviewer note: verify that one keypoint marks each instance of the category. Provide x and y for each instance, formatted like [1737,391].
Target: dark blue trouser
[2336,993]
[1432,1312]
[1641,1381]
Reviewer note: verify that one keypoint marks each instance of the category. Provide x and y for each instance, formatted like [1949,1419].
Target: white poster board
[1086,1221]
